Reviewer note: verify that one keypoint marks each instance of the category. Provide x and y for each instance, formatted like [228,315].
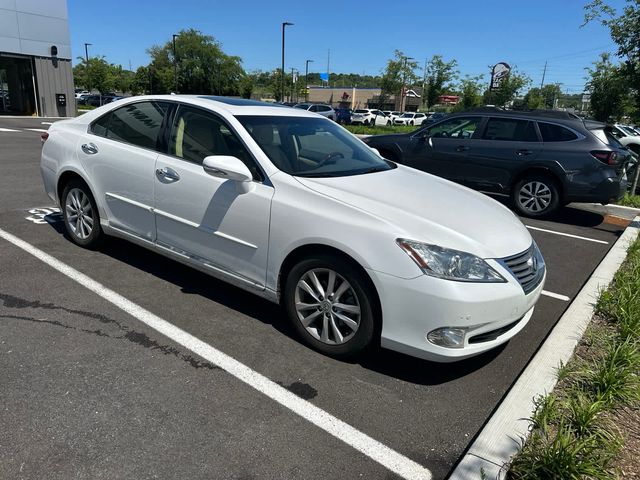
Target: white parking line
[567,235]
[555,295]
[37,129]
[385,456]
[8,130]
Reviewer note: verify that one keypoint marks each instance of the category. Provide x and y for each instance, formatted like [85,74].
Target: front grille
[493,334]
[527,267]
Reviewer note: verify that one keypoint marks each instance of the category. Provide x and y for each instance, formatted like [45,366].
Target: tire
[411,123]
[388,123]
[357,294]
[535,195]
[84,229]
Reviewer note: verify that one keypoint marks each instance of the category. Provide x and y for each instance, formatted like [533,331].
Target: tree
[543,98]
[438,76]
[470,89]
[200,64]
[508,90]
[608,87]
[625,32]
[400,71]
[95,74]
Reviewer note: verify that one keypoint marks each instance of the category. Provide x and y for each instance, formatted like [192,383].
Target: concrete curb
[500,438]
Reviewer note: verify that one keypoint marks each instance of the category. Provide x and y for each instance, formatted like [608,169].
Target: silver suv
[324,110]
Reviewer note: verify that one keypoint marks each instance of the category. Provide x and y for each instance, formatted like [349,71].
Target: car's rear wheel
[331,306]
[80,213]
[535,195]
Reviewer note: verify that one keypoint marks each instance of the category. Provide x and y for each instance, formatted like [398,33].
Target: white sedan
[291,207]
[369,116]
[410,118]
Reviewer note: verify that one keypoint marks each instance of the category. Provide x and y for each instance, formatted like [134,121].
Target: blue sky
[361,36]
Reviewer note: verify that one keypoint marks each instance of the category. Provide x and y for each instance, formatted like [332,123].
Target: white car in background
[369,116]
[410,118]
[324,110]
[291,207]
[626,135]
[392,114]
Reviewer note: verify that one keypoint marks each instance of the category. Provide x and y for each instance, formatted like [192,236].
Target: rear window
[360,111]
[512,130]
[555,133]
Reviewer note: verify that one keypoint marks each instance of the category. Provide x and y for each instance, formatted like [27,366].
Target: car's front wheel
[80,213]
[331,306]
[535,196]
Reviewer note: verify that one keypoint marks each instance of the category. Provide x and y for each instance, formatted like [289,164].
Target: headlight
[449,264]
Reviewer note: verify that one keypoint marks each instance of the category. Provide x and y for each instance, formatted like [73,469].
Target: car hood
[422,207]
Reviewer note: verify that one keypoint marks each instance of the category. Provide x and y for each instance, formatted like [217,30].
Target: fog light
[449,337]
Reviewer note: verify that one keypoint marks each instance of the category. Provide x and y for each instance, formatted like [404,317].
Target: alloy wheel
[327,306]
[79,213]
[534,196]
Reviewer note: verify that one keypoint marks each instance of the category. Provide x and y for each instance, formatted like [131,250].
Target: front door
[205,218]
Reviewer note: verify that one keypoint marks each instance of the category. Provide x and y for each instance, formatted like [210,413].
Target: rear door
[505,147]
[119,153]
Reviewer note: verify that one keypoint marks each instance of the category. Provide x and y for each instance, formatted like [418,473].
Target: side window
[314,108]
[197,134]
[324,108]
[510,130]
[100,126]
[460,127]
[555,133]
[137,124]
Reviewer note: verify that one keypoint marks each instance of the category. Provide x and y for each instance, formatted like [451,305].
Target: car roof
[557,116]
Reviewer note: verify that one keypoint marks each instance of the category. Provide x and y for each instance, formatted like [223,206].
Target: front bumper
[411,308]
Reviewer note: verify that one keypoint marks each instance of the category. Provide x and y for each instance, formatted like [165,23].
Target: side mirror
[225,166]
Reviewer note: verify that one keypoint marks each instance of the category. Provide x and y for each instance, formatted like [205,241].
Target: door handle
[462,148]
[89,148]
[523,152]
[168,173]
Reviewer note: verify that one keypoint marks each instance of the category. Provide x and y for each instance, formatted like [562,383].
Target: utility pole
[306,81]
[328,60]
[404,81]
[544,72]
[175,65]
[424,84]
[292,85]
[284,24]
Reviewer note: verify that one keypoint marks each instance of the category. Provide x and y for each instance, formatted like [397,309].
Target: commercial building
[35,59]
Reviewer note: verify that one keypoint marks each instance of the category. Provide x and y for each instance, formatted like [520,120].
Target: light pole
[284,24]
[86,59]
[175,64]
[424,84]
[306,83]
[404,80]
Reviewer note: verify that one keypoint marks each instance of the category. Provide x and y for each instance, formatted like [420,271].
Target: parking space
[91,391]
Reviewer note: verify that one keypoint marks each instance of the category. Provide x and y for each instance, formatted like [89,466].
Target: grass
[572,435]
[380,130]
[630,200]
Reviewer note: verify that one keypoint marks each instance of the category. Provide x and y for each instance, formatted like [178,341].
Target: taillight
[607,157]
[44,137]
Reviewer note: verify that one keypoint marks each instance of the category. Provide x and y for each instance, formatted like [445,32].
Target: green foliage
[98,74]
[608,88]
[544,97]
[400,71]
[625,32]
[379,130]
[439,74]
[508,89]
[199,66]
[630,201]
[470,88]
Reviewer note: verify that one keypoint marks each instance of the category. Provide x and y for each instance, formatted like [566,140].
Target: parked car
[369,116]
[410,118]
[324,110]
[543,160]
[291,207]
[392,114]
[343,115]
[79,92]
[626,136]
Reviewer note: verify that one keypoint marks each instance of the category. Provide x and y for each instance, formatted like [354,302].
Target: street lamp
[175,64]
[284,24]
[306,83]
[86,59]
[404,81]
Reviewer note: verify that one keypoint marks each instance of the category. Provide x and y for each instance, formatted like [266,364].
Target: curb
[501,436]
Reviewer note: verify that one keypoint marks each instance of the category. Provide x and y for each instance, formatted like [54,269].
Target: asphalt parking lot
[88,391]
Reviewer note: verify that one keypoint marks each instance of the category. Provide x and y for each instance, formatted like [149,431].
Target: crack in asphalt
[132,336]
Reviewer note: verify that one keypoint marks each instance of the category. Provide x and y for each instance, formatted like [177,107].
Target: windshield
[312,147]
[302,106]
[360,111]
[407,115]
[629,130]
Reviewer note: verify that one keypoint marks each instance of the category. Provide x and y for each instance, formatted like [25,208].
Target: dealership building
[35,59]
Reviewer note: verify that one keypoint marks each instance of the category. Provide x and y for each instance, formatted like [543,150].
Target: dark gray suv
[541,159]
